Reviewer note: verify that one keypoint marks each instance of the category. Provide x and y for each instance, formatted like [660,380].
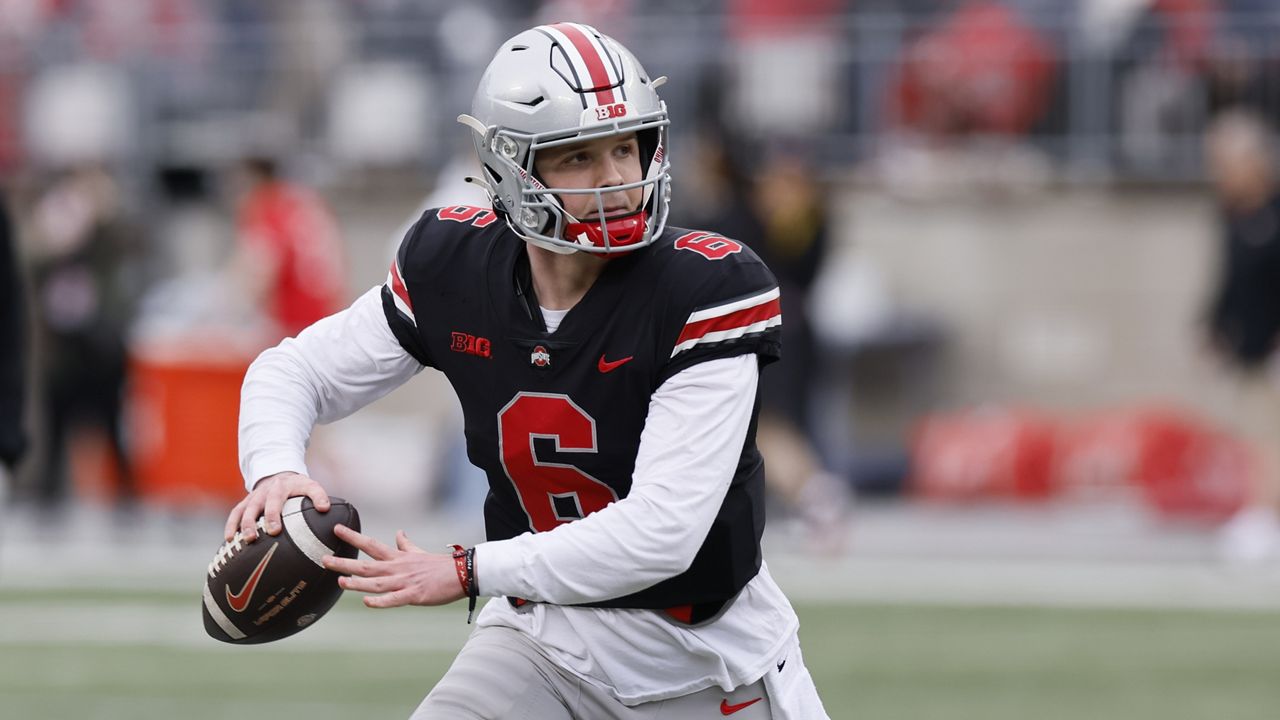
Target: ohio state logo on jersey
[540,357]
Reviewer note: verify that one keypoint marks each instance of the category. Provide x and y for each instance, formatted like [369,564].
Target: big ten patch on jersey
[470,344]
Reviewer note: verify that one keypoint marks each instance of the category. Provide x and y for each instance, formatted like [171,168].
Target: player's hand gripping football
[395,576]
[265,501]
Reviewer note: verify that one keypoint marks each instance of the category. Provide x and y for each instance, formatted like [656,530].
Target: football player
[607,367]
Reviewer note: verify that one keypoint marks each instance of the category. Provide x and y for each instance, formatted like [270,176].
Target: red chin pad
[623,230]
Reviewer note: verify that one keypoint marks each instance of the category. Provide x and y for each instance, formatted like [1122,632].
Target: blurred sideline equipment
[275,586]
[1176,464]
[182,420]
[86,265]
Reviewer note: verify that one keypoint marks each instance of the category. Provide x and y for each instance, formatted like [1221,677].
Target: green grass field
[869,661]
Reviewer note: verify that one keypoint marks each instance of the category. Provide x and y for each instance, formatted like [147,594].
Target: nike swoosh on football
[611,365]
[239,601]
[727,709]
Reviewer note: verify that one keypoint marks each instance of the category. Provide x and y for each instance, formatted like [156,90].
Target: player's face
[600,163]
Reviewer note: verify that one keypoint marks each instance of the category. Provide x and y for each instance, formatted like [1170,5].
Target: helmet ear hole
[495,185]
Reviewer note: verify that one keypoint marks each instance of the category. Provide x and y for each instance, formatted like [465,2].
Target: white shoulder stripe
[295,523]
[731,334]
[719,310]
[401,305]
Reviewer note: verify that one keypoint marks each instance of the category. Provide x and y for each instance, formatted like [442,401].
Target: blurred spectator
[790,204]
[87,281]
[289,250]
[781,215]
[13,348]
[1244,315]
[793,243]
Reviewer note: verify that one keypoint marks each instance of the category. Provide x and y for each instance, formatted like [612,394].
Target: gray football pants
[501,675]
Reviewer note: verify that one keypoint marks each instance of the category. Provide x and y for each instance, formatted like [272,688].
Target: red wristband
[460,563]
[464,560]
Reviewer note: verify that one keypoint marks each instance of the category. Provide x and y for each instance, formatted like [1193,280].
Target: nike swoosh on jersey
[239,601]
[727,709]
[611,365]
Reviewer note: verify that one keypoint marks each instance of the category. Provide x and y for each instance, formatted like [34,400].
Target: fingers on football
[318,496]
[249,518]
[272,507]
[233,519]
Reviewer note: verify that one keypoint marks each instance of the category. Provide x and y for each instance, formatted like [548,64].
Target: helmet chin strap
[548,245]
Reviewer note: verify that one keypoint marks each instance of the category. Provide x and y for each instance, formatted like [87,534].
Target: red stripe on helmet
[595,64]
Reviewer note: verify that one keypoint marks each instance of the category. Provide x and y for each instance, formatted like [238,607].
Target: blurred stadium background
[1009,370]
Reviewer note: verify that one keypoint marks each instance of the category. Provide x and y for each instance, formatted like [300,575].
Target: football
[273,587]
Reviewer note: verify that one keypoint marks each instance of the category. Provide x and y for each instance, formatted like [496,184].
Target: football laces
[231,547]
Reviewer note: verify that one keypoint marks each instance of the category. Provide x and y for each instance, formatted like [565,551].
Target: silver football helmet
[555,85]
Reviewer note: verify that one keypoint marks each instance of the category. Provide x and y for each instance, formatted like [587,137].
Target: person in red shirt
[289,249]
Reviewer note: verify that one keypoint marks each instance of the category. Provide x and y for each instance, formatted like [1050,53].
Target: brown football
[275,586]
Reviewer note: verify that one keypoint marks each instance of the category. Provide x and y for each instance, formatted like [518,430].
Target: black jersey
[554,419]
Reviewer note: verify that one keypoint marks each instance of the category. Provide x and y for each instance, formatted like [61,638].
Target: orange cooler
[182,423]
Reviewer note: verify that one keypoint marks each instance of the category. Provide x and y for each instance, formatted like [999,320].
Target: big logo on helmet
[609,112]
